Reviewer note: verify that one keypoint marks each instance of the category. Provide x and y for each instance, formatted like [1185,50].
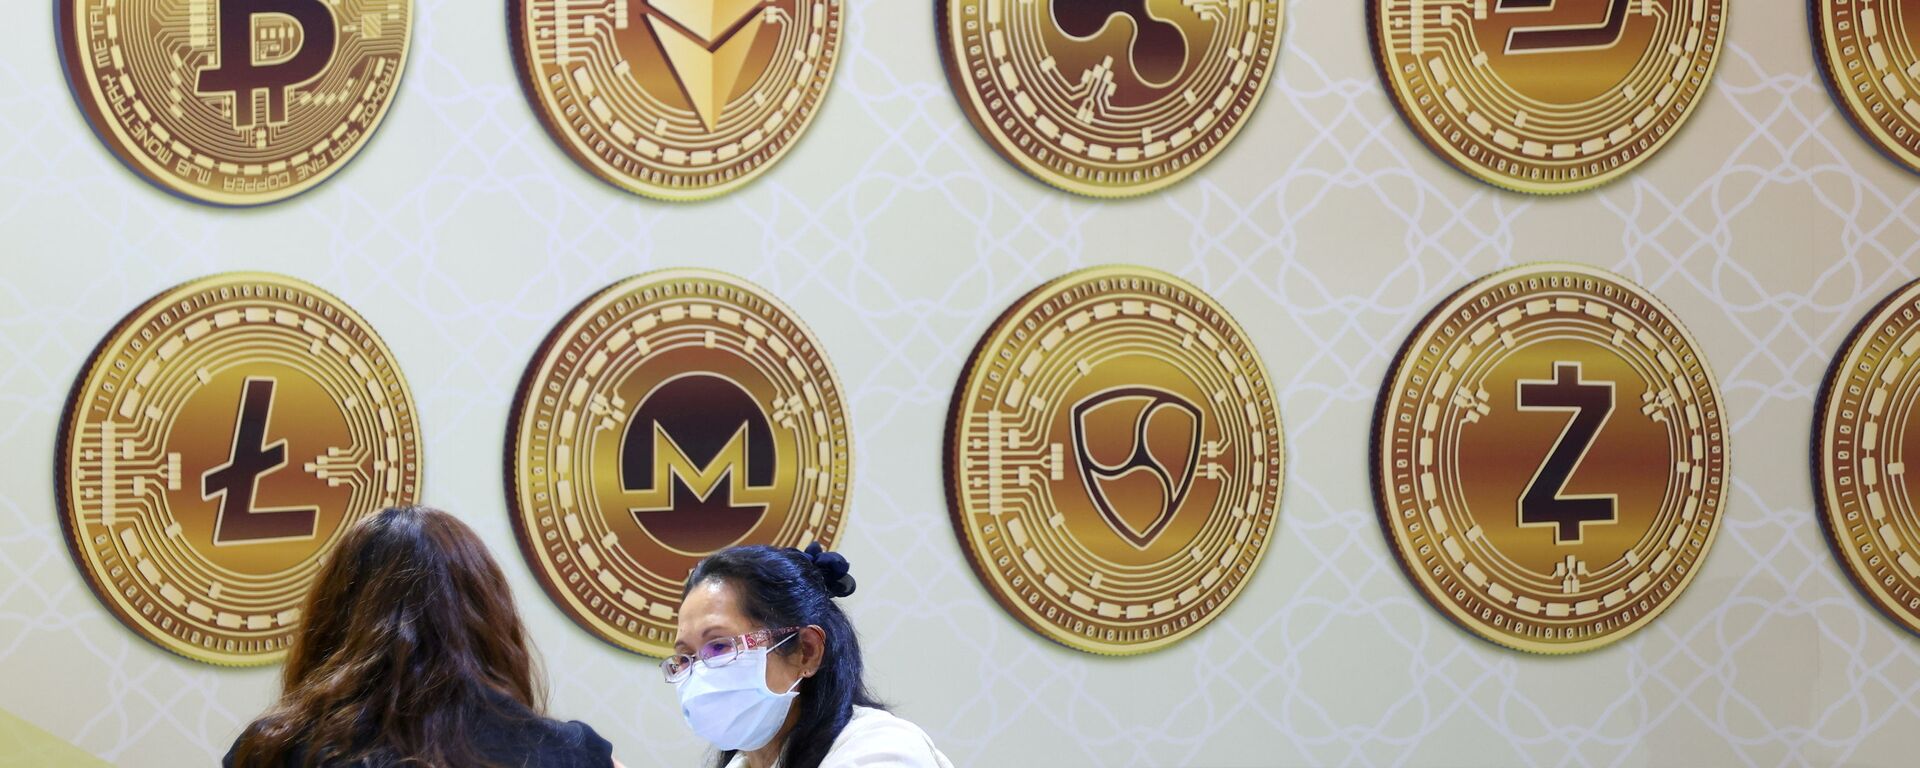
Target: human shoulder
[875,737]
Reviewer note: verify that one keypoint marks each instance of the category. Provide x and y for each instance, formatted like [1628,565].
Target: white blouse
[875,738]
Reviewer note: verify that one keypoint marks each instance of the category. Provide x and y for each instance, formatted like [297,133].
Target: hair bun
[834,569]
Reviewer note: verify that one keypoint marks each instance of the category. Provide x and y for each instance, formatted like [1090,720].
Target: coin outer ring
[954,61]
[544,108]
[1826,509]
[1827,61]
[114,135]
[69,421]
[950,455]
[538,369]
[1382,64]
[1377,460]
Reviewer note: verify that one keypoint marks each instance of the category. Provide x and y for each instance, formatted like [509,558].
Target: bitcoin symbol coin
[1866,426]
[1114,460]
[235,102]
[676,99]
[1546,96]
[1109,98]
[1867,52]
[1550,459]
[669,416]
[218,443]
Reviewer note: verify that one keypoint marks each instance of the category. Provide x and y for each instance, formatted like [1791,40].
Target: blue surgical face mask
[731,706]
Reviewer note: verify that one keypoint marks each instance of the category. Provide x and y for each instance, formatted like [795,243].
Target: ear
[813,649]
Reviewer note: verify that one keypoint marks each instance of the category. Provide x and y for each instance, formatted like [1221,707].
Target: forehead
[712,609]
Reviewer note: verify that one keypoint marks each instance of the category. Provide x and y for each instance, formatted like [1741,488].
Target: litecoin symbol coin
[1542,96]
[1550,459]
[669,416]
[1867,424]
[235,102]
[220,441]
[1114,460]
[676,99]
[1867,51]
[1109,98]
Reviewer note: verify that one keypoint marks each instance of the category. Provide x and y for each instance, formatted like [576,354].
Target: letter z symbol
[1566,37]
[1543,503]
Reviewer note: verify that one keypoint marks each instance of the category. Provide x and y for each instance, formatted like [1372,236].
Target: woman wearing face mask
[411,653]
[768,668]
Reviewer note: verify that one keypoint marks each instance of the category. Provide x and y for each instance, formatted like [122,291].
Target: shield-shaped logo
[1138,449]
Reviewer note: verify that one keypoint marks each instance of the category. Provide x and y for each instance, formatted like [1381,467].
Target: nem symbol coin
[676,99]
[1866,425]
[1114,460]
[1546,96]
[235,102]
[669,416]
[220,440]
[1550,458]
[1109,98]
[1866,49]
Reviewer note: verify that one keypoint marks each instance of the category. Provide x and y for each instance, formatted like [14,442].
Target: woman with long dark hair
[410,652]
[768,668]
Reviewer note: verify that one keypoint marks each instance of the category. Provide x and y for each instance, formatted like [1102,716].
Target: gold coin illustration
[1867,423]
[671,415]
[1109,98]
[1114,460]
[217,444]
[1866,50]
[235,102]
[1542,96]
[1550,458]
[676,99]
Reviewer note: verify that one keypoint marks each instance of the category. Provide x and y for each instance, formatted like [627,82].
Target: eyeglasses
[722,651]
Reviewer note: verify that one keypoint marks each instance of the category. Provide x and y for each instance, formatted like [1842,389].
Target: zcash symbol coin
[235,102]
[1867,423]
[671,415]
[1114,460]
[676,99]
[1550,458]
[217,444]
[1542,96]
[1866,50]
[1109,98]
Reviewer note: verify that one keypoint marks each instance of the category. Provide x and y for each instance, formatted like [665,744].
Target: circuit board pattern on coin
[670,416]
[1109,98]
[676,99]
[1550,458]
[1866,50]
[219,442]
[1867,424]
[1542,96]
[1114,460]
[235,102]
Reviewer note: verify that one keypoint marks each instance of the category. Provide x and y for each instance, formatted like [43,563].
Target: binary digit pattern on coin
[1550,458]
[1866,51]
[235,102]
[1545,97]
[1114,460]
[1867,423]
[1109,98]
[676,99]
[669,416]
[218,443]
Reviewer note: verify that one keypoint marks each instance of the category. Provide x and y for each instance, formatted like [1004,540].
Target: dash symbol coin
[1550,458]
[216,446]
[669,416]
[1114,460]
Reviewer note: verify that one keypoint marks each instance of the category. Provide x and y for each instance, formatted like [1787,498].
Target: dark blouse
[509,741]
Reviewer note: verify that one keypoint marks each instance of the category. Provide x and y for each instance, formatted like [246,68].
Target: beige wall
[462,233]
